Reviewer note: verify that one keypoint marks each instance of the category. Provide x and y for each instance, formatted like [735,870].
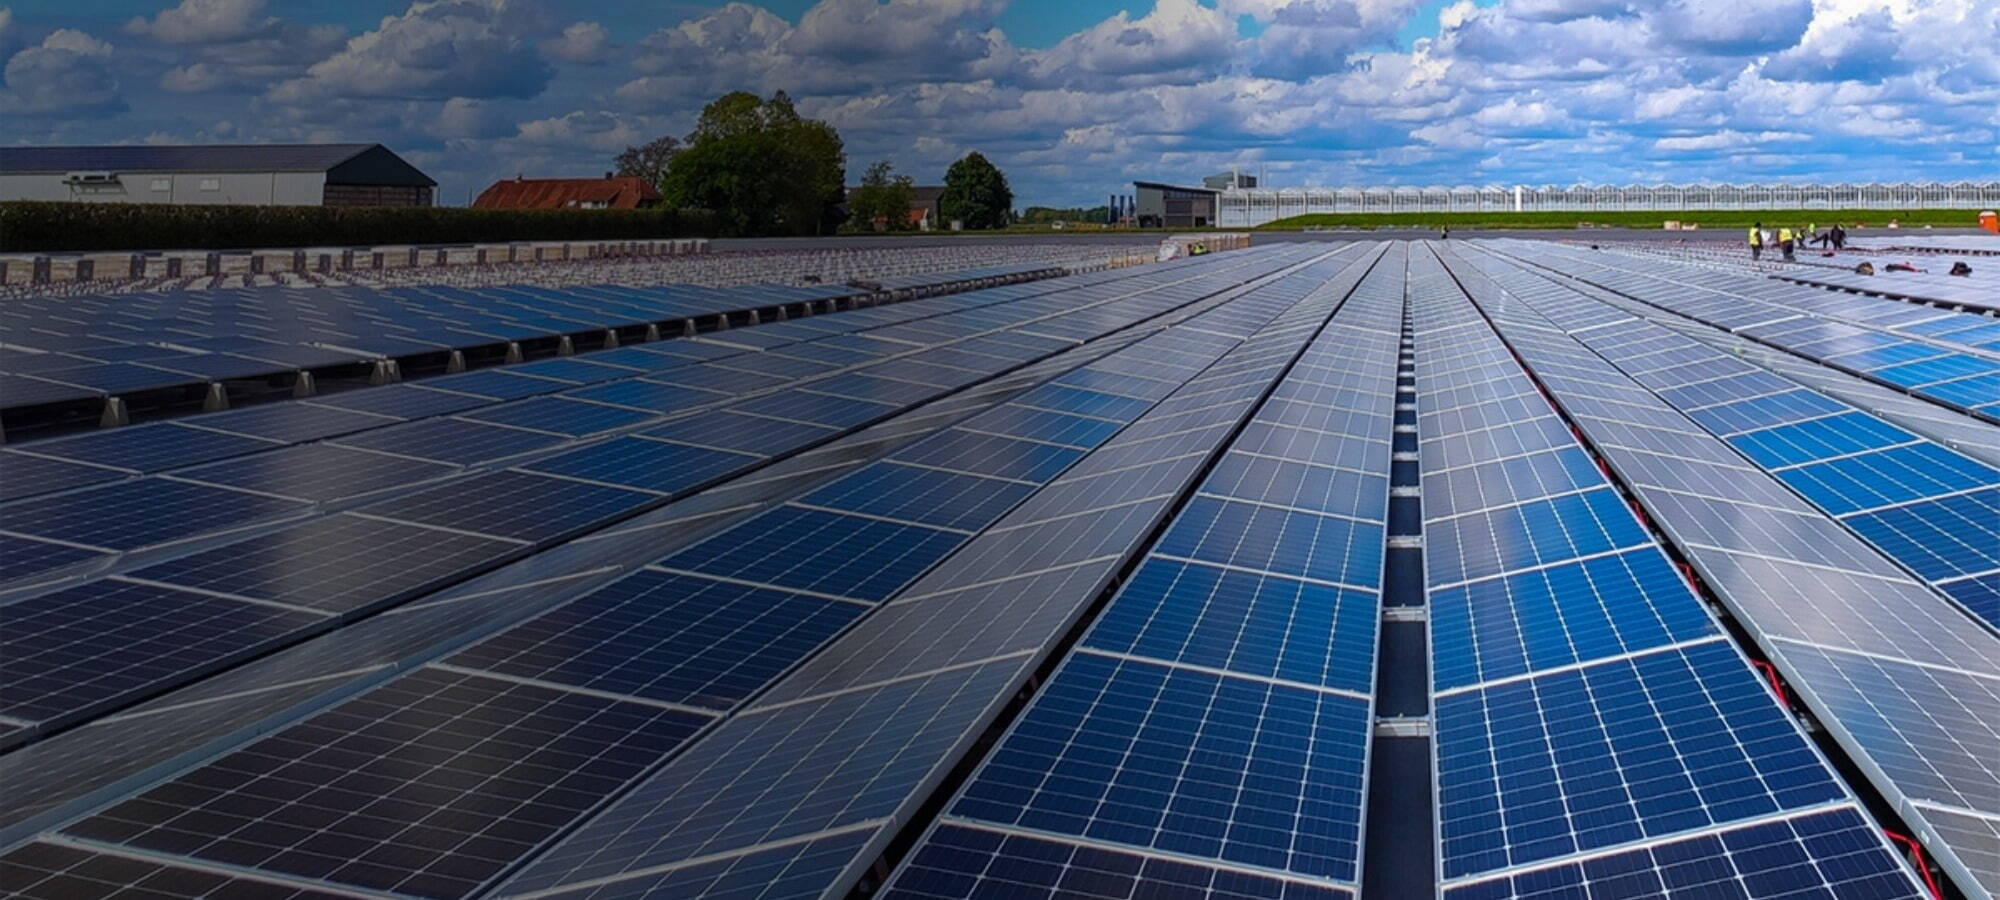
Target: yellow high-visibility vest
[1784,234]
[1756,237]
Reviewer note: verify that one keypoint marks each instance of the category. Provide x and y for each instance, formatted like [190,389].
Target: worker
[1961,269]
[1839,235]
[1785,243]
[1756,241]
[1865,268]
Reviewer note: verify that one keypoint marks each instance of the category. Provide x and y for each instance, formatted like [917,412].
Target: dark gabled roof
[183,158]
[926,193]
[561,193]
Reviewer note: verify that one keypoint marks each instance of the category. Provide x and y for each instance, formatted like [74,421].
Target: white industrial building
[1241,207]
[248,174]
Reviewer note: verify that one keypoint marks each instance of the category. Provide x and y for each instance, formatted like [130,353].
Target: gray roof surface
[186,158]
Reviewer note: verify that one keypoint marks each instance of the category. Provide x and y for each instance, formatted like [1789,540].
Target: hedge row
[26,226]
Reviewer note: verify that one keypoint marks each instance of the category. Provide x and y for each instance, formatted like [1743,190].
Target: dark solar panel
[140,513]
[42,870]
[150,448]
[66,652]
[519,505]
[959,861]
[318,472]
[675,638]
[26,475]
[645,463]
[429,785]
[813,550]
[337,565]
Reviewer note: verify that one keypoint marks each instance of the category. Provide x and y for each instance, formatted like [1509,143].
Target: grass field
[1720,218]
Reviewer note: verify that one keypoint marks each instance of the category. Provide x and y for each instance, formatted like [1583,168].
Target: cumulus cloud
[597,129]
[68,74]
[434,51]
[204,22]
[1178,41]
[584,43]
[1727,27]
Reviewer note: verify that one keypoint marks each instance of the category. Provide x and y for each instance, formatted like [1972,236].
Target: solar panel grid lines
[1889,616]
[845,683]
[1505,802]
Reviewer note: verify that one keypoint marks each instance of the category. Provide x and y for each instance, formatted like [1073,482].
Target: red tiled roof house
[609,192]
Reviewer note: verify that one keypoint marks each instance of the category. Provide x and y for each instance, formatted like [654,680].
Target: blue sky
[1073,98]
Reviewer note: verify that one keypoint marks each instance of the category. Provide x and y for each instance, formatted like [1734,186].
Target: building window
[211,184]
[163,184]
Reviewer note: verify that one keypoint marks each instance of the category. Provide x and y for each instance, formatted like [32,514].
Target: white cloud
[584,43]
[435,50]
[68,74]
[204,22]
[1178,41]
[598,130]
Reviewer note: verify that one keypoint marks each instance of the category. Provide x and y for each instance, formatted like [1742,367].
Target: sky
[1073,99]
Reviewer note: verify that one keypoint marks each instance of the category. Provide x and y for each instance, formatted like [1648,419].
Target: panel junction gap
[1398,858]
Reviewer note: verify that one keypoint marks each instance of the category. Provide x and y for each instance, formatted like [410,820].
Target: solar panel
[141,513]
[673,638]
[561,415]
[336,798]
[319,472]
[818,551]
[510,504]
[453,440]
[644,463]
[42,870]
[921,496]
[338,565]
[65,653]
[150,447]
[26,475]
[969,861]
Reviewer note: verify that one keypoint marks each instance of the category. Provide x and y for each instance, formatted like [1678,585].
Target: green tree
[884,196]
[976,193]
[648,160]
[760,167]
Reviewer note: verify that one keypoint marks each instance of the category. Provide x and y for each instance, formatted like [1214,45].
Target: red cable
[1777,685]
[1917,856]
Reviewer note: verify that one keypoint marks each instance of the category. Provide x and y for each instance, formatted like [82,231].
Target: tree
[883,195]
[760,167]
[648,160]
[976,193]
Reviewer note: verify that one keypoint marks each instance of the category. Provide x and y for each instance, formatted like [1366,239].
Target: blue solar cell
[1883,477]
[512,504]
[1064,398]
[711,377]
[118,377]
[782,772]
[799,870]
[18,391]
[923,496]
[429,785]
[990,455]
[1981,595]
[562,415]
[1615,752]
[1476,545]
[1301,485]
[342,564]
[140,513]
[1833,855]
[453,440]
[1577,611]
[43,870]
[404,401]
[25,558]
[1270,539]
[496,384]
[1930,729]
[1763,412]
[819,409]
[745,434]
[1849,432]
[677,638]
[649,395]
[1944,368]
[318,472]
[1043,425]
[577,370]
[955,862]
[645,463]
[1267,439]
[1184,762]
[811,550]
[291,422]
[1240,622]
[66,653]
[880,390]
[1939,539]
[151,447]
[26,475]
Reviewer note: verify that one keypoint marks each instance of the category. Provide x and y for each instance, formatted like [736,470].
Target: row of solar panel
[258,460]
[1958,330]
[1966,379]
[287,584]
[1211,728]
[1584,700]
[1935,510]
[662,652]
[1905,682]
[81,347]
